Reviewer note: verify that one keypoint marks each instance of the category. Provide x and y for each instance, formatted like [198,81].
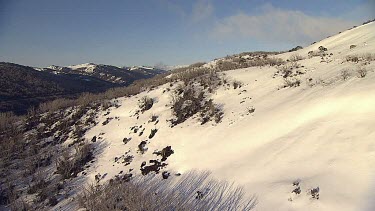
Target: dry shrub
[186,104]
[188,75]
[191,191]
[291,82]
[345,74]
[362,72]
[7,120]
[295,57]
[70,165]
[190,100]
[236,84]
[145,103]
[368,57]
[352,58]
[286,70]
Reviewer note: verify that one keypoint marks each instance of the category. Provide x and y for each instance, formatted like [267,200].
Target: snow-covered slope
[86,67]
[319,134]
[361,36]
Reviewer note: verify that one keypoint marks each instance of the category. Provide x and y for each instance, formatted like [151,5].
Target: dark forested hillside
[22,87]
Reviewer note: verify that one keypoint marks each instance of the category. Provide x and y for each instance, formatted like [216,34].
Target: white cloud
[274,24]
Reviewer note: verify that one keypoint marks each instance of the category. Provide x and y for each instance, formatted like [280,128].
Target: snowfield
[319,134]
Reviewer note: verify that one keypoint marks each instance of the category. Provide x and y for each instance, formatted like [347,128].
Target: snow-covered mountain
[295,129]
[278,142]
[109,73]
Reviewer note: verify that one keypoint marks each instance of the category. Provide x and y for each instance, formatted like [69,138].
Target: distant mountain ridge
[109,73]
[22,87]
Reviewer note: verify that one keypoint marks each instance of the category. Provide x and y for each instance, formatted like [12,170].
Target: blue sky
[127,32]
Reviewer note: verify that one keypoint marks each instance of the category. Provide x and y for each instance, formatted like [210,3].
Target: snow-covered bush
[345,74]
[295,57]
[322,49]
[352,58]
[362,72]
[368,57]
[286,70]
[291,82]
[145,103]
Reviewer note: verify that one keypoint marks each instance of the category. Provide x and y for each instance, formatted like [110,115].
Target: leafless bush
[295,57]
[56,105]
[191,191]
[19,204]
[352,58]
[236,84]
[362,72]
[211,111]
[250,110]
[70,165]
[186,104]
[188,75]
[197,65]
[210,81]
[368,57]
[311,54]
[291,82]
[322,48]
[345,74]
[6,120]
[190,101]
[145,103]
[286,70]
[272,61]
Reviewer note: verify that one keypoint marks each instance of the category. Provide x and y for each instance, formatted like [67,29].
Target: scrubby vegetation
[190,100]
[345,74]
[145,103]
[361,58]
[291,82]
[191,191]
[295,58]
[69,165]
[32,159]
[362,72]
